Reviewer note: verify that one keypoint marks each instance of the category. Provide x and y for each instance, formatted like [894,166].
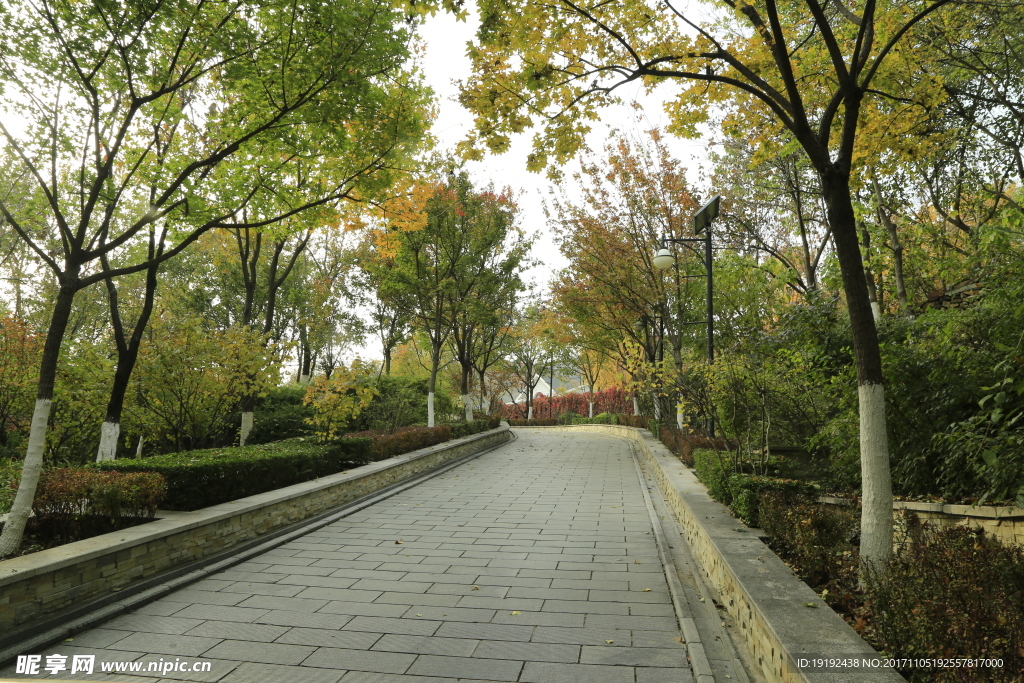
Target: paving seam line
[684,557]
[699,663]
[688,625]
[145,592]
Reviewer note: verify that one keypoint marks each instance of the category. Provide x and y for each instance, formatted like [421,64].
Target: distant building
[562,386]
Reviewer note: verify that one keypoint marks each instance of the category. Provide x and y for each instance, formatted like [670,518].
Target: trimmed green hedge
[713,470]
[747,491]
[198,479]
[600,419]
[742,492]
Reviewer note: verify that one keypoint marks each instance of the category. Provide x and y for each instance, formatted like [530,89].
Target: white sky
[445,63]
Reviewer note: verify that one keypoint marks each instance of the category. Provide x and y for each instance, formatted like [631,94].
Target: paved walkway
[534,562]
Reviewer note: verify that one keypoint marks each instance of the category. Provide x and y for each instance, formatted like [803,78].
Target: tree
[442,266]
[813,71]
[182,115]
[481,307]
[527,353]
[633,196]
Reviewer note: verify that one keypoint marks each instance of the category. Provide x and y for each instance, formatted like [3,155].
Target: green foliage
[536,422]
[338,401]
[19,363]
[714,468]
[197,479]
[9,470]
[281,415]
[951,592]
[984,455]
[399,402]
[189,380]
[80,399]
[747,490]
[599,419]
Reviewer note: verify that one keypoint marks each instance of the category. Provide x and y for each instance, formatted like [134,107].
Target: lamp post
[664,259]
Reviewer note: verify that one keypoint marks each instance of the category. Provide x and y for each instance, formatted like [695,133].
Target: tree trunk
[869,278]
[110,432]
[435,361]
[876,508]
[14,527]
[897,246]
[467,398]
[636,406]
[248,418]
[484,404]
[127,356]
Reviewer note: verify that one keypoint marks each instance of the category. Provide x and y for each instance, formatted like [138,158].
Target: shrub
[632,420]
[602,419]
[461,429]
[543,422]
[338,401]
[119,496]
[74,503]
[746,491]
[408,439]
[197,479]
[714,468]
[956,593]
[818,539]
[399,402]
[189,381]
[281,415]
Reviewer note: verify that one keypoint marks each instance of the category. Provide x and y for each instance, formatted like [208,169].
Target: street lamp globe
[664,259]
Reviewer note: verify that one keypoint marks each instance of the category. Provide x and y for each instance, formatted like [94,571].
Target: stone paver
[534,562]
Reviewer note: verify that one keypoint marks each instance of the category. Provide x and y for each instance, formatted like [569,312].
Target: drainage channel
[60,626]
[705,626]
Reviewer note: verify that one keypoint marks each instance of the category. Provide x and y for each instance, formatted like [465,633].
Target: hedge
[198,479]
[123,498]
[747,490]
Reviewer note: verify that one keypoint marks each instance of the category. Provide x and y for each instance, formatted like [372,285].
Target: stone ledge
[767,601]
[33,586]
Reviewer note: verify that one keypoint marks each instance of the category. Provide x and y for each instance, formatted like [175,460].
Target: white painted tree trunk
[467,401]
[247,421]
[591,411]
[303,379]
[138,449]
[109,433]
[430,408]
[876,312]
[636,406]
[657,407]
[876,504]
[10,540]
[529,413]
[680,417]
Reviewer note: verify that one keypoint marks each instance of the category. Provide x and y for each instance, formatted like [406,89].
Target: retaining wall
[39,584]
[780,617]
